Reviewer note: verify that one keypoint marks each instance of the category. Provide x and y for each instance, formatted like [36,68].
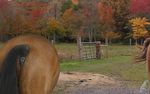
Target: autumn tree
[66,5]
[110,35]
[35,17]
[21,17]
[138,7]
[70,4]
[138,27]
[72,19]
[54,14]
[73,22]
[6,16]
[120,15]
[55,27]
[8,24]
[106,18]
[91,24]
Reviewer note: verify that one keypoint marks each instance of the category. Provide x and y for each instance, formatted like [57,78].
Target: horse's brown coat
[145,55]
[148,60]
[41,70]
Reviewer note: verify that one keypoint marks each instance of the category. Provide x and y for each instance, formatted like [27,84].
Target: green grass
[119,64]
[119,67]
[66,48]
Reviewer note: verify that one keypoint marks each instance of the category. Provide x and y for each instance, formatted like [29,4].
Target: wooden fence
[93,50]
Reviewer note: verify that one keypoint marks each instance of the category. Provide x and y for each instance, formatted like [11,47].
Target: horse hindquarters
[40,71]
[38,78]
[148,61]
[8,74]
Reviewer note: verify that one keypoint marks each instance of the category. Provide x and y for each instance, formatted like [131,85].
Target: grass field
[119,63]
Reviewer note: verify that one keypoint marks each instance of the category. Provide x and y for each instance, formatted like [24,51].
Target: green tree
[70,4]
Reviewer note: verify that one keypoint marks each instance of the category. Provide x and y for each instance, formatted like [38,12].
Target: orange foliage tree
[6,16]
[107,21]
[33,14]
[73,23]
[120,13]
[138,27]
[110,35]
[55,27]
[75,2]
[21,17]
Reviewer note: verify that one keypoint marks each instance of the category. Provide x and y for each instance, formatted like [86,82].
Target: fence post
[79,44]
[98,50]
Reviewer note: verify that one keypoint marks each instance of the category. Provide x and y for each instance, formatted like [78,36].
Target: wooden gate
[91,50]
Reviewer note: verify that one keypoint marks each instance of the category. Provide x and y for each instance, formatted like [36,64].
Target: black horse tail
[8,73]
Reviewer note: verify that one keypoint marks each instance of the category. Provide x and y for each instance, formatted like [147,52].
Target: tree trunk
[54,37]
[106,41]
[130,41]
[90,36]
[110,41]
[95,36]
[136,41]
[142,41]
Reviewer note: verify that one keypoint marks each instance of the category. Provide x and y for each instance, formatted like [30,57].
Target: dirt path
[89,83]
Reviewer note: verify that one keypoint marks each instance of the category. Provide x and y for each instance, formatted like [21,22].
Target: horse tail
[8,74]
[143,54]
[148,61]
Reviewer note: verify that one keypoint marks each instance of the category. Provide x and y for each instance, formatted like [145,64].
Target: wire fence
[93,50]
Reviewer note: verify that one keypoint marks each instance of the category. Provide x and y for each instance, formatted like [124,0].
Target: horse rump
[8,74]
[37,67]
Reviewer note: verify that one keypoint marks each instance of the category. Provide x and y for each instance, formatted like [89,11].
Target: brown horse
[28,65]
[145,56]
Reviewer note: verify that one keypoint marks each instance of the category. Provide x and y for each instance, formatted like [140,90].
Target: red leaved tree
[139,6]
[91,24]
[6,16]
[33,14]
[106,18]
[73,23]
[105,13]
[3,4]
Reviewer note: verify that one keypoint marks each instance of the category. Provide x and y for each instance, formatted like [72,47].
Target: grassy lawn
[119,64]
[67,48]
